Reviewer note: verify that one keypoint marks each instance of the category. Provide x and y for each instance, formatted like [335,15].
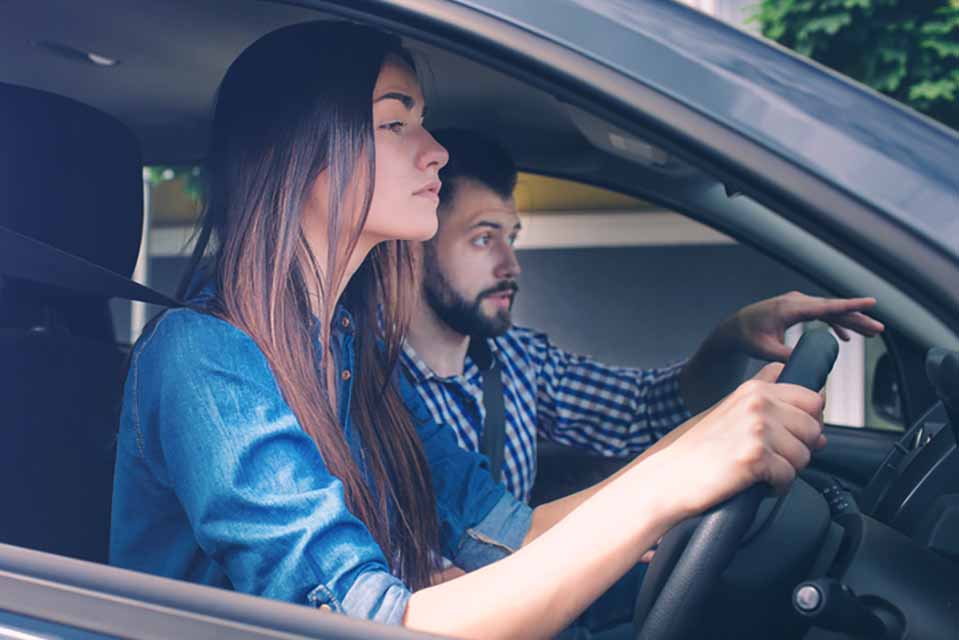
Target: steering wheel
[693,554]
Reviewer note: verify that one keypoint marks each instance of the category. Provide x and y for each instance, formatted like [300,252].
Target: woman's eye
[396,126]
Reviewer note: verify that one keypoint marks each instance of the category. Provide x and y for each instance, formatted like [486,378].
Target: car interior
[91,95]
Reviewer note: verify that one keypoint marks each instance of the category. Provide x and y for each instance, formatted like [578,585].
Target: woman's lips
[431,191]
[432,196]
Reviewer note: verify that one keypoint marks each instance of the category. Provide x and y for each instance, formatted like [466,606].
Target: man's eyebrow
[486,223]
[494,225]
[408,101]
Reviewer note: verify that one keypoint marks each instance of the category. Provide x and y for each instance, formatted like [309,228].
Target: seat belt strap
[30,259]
[493,436]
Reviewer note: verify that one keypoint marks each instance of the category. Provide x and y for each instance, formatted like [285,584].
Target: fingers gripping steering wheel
[693,555]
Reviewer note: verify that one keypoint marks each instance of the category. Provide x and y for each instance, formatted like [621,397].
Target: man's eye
[481,241]
[512,240]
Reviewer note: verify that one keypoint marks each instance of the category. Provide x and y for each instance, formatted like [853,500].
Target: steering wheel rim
[709,542]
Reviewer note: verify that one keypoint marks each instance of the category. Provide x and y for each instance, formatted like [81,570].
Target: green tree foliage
[907,49]
[194,177]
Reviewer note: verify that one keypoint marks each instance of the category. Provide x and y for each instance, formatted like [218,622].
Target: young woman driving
[267,444]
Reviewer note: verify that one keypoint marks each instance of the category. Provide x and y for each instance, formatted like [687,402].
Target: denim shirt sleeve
[211,421]
[480,521]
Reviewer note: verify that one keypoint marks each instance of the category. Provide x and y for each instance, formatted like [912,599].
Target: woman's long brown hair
[294,104]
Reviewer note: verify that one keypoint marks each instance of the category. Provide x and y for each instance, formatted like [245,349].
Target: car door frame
[114,602]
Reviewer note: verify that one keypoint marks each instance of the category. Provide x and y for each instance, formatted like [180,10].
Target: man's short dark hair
[474,156]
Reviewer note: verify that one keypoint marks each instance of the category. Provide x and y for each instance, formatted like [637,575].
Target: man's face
[470,266]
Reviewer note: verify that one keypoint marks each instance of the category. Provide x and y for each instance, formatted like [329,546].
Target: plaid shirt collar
[422,372]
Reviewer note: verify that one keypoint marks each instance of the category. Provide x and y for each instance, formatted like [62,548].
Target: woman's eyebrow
[408,101]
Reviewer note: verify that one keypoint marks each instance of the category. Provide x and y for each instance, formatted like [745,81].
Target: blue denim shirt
[217,483]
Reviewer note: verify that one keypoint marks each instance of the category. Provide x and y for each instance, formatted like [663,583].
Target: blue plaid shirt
[569,399]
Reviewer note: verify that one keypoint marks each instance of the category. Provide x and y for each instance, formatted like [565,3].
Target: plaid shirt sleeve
[613,411]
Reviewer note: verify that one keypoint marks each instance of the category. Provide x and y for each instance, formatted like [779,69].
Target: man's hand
[758,330]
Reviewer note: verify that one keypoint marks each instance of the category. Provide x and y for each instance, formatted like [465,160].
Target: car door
[44,595]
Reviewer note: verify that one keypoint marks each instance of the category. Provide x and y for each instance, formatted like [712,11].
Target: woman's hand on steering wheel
[762,432]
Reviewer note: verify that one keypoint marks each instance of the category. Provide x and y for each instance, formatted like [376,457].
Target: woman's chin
[419,229]
[427,234]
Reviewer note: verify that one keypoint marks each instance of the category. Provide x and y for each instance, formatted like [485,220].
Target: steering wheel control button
[840,500]
[808,598]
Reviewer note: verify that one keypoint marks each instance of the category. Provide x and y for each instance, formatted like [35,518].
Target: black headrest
[70,176]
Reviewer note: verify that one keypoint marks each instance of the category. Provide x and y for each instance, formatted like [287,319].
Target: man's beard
[464,316]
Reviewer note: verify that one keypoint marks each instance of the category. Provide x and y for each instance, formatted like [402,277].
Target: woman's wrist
[650,495]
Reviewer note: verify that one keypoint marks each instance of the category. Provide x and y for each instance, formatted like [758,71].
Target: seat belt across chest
[492,439]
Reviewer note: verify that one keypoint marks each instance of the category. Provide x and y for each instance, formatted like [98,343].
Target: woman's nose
[434,155]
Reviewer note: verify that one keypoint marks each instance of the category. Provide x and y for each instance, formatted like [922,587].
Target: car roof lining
[165,94]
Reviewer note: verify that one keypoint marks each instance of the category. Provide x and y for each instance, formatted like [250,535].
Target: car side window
[640,285]
[634,284]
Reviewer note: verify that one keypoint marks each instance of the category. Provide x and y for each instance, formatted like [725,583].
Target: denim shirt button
[346,375]
[325,607]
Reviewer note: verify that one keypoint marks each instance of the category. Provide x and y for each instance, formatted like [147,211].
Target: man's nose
[508,266]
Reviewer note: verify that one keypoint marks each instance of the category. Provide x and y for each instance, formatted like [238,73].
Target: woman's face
[408,160]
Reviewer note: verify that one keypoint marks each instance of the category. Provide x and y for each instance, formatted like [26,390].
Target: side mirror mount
[886,391]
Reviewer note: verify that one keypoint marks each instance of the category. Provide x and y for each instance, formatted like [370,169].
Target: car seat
[70,178]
